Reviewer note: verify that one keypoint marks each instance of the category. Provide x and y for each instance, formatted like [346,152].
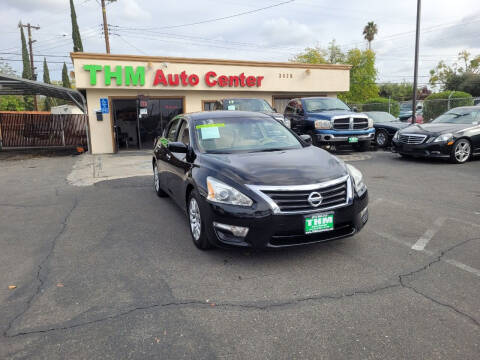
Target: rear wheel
[362,146]
[156,182]
[197,224]
[461,151]
[381,138]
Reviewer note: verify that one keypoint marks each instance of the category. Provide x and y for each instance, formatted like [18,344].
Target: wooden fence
[23,130]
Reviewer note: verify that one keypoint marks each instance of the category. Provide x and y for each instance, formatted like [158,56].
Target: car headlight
[323,124]
[396,136]
[357,177]
[370,123]
[222,193]
[443,137]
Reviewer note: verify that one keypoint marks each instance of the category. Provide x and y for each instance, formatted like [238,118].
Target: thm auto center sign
[130,76]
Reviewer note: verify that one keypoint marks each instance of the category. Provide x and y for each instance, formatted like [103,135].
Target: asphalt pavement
[108,271]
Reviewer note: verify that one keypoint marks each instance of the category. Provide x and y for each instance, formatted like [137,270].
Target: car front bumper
[431,150]
[268,230]
[341,137]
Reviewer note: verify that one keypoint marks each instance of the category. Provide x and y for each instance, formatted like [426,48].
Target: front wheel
[197,224]
[461,151]
[362,146]
[381,138]
[156,182]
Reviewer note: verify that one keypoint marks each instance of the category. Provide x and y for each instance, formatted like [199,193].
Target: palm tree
[369,32]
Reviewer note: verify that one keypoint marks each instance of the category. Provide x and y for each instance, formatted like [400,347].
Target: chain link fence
[427,110]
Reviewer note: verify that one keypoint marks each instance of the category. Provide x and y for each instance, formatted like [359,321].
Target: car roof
[242,98]
[222,114]
[466,108]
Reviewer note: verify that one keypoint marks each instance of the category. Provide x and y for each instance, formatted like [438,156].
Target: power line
[220,18]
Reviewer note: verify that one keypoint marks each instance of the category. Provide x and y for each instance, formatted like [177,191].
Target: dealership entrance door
[134,132]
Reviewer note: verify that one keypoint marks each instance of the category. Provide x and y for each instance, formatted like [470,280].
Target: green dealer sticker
[318,223]
[204,126]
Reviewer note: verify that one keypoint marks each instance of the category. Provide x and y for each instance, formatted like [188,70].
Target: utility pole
[415,73]
[30,42]
[105,27]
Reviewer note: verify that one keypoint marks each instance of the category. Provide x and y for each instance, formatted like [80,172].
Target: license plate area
[353,139]
[316,223]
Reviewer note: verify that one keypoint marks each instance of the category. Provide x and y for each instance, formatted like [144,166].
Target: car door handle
[168,156]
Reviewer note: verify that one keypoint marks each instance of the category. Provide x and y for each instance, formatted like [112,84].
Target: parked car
[386,125]
[406,110]
[245,180]
[251,104]
[418,117]
[455,135]
[330,122]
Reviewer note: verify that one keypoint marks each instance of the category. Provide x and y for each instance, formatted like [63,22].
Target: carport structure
[10,85]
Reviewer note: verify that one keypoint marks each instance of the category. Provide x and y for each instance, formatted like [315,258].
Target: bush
[381,104]
[436,104]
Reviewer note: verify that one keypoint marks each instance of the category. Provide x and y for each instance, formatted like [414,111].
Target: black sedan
[386,125]
[245,180]
[454,135]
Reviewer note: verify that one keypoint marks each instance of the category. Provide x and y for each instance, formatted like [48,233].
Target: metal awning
[11,85]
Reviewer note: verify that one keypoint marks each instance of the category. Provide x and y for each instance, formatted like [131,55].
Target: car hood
[435,129]
[303,166]
[327,115]
[392,124]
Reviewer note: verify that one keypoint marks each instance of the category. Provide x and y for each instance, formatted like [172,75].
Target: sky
[276,33]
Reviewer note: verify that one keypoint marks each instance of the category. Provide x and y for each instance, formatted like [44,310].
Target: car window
[228,135]
[459,116]
[289,109]
[257,105]
[183,134]
[172,129]
[381,117]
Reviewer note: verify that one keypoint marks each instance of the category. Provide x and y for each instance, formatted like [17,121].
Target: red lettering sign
[211,79]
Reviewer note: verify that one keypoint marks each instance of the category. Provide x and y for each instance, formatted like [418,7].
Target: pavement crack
[40,276]
[405,284]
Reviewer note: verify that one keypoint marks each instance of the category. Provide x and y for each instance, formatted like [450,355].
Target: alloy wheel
[462,151]
[195,220]
[381,139]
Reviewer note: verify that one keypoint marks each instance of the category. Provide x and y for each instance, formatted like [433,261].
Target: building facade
[131,98]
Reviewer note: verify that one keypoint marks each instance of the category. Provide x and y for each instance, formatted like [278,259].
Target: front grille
[412,139]
[297,200]
[299,239]
[341,124]
[350,123]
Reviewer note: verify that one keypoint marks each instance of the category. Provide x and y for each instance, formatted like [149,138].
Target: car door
[293,116]
[180,165]
[475,133]
[164,156]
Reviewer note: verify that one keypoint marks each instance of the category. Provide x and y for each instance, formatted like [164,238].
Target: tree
[362,76]
[49,102]
[77,40]
[369,32]
[334,53]
[463,75]
[315,55]
[10,102]
[65,79]
[397,91]
[27,68]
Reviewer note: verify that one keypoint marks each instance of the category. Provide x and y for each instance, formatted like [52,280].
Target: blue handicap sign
[104,105]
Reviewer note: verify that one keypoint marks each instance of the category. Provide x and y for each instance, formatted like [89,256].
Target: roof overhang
[10,85]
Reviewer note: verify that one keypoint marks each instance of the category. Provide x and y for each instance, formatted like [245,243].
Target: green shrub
[382,104]
[436,104]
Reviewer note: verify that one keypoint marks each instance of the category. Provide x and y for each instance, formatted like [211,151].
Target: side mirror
[274,109]
[307,139]
[177,147]
[355,109]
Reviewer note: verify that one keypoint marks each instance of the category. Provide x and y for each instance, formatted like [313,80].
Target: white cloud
[130,10]
[35,5]
[281,31]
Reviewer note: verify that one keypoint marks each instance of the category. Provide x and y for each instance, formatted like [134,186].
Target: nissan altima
[454,135]
[245,180]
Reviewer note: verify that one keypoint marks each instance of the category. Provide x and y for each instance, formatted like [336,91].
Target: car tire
[156,182]
[196,223]
[381,138]
[461,151]
[362,146]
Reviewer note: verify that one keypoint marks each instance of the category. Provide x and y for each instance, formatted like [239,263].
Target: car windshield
[459,116]
[323,104]
[257,105]
[229,135]
[381,117]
